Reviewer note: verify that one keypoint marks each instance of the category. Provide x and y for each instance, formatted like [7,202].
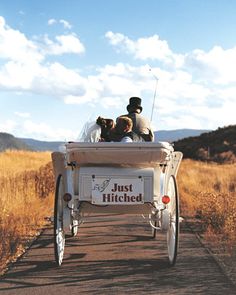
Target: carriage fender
[172,168]
[175,163]
[58,163]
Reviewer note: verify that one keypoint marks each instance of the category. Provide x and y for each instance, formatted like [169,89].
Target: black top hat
[134,103]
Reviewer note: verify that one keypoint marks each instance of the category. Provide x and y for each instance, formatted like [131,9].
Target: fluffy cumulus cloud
[194,89]
[15,46]
[22,114]
[8,126]
[63,44]
[215,66]
[46,132]
[115,83]
[52,21]
[149,48]
[27,128]
[25,65]
[66,24]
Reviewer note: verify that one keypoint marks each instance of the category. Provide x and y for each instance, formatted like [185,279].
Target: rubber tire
[173,230]
[59,234]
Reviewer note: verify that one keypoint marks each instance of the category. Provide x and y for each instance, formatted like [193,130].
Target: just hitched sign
[113,191]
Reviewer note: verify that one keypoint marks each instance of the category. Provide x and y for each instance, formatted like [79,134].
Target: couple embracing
[128,128]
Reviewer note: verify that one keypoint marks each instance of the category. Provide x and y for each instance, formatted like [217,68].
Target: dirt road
[116,255]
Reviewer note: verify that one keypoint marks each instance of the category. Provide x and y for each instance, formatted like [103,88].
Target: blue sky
[63,63]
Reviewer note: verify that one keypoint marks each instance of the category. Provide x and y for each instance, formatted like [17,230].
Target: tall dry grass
[26,198]
[208,192]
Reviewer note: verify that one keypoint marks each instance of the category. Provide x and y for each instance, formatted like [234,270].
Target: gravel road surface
[115,254]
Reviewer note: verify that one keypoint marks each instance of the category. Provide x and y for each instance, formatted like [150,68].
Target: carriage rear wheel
[173,230]
[59,234]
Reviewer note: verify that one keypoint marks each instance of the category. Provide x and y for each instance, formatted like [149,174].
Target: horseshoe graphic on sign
[102,186]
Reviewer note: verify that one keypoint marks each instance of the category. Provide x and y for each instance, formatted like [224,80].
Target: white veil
[91,132]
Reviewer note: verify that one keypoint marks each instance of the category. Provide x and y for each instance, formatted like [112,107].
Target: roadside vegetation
[26,198]
[208,194]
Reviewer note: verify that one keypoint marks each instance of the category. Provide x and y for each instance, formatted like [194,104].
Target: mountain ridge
[218,145]
[9,141]
[41,145]
[176,134]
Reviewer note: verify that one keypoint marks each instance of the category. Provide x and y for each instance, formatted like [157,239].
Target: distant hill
[218,145]
[174,135]
[39,145]
[162,135]
[8,141]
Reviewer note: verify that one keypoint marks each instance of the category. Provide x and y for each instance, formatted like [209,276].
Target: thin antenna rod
[155,92]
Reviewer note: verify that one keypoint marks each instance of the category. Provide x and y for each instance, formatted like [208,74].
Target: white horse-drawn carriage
[114,177]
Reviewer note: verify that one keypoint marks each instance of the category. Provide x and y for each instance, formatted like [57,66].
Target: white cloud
[22,115]
[112,102]
[16,47]
[8,126]
[26,67]
[53,79]
[18,76]
[195,89]
[152,48]
[64,44]
[57,80]
[51,21]
[76,99]
[65,23]
[45,132]
[216,66]
[117,82]
[36,130]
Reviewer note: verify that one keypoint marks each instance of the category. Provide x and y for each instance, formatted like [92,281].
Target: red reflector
[67,197]
[165,199]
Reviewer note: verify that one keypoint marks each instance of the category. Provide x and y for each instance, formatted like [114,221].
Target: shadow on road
[116,257]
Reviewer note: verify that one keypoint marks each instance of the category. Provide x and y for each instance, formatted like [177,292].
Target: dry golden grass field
[207,192]
[26,198]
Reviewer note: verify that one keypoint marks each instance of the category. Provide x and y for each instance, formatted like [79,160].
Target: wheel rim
[75,226]
[173,230]
[59,235]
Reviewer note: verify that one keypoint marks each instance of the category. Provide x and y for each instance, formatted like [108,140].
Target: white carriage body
[145,164]
[124,178]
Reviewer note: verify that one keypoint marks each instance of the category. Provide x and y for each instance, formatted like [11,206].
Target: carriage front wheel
[59,234]
[173,229]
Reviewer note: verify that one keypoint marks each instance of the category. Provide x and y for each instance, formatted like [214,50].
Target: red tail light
[165,199]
